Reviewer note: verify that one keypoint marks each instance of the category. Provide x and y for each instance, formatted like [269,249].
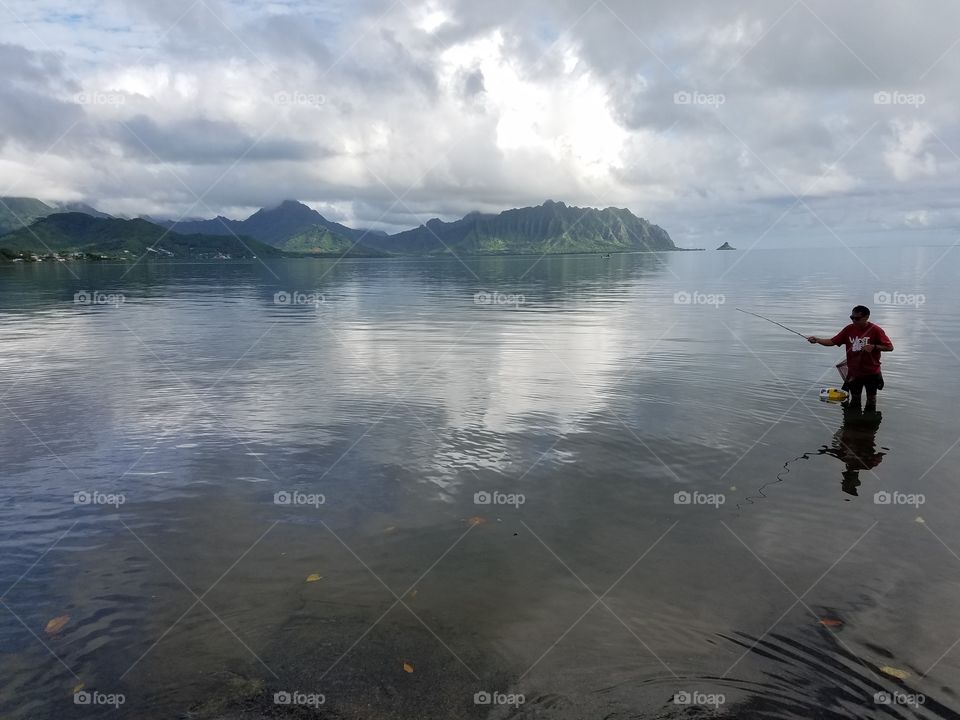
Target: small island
[726,246]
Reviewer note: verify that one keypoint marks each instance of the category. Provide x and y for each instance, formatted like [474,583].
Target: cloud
[202,141]
[398,112]
[33,111]
[907,155]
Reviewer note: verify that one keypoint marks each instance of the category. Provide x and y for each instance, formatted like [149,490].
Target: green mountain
[79,207]
[81,233]
[293,227]
[321,241]
[18,212]
[550,228]
[275,226]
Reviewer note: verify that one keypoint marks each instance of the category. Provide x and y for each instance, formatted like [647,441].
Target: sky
[766,123]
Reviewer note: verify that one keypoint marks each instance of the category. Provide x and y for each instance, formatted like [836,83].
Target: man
[864,342]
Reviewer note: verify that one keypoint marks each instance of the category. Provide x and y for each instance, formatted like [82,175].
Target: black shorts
[871,382]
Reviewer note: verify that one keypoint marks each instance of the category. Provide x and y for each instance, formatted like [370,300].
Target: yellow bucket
[833,394]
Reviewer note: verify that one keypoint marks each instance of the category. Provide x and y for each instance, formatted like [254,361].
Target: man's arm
[821,341]
[881,343]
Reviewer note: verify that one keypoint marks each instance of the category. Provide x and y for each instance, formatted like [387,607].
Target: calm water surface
[189,414]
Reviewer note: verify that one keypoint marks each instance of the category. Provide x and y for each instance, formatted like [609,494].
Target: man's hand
[812,340]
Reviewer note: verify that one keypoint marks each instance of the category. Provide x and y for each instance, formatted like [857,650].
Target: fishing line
[749,500]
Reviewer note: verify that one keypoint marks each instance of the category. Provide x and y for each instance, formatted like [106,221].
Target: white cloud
[456,107]
[907,156]
[432,18]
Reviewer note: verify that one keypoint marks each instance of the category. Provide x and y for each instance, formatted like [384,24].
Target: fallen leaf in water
[476,520]
[313,577]
[920,520]
[895,672]
[407,667]
[413,594]
[77,688]
[57,624]
[831,622]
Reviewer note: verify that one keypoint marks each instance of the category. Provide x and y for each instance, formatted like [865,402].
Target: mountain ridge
[274,226]
[550,228]
[80,233]
[21,212]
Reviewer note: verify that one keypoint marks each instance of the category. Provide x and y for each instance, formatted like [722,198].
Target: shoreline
[6,259]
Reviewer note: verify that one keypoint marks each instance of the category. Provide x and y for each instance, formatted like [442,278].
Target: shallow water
[584,387]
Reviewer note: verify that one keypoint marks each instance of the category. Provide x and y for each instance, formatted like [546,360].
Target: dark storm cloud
[31,113]
[202,141]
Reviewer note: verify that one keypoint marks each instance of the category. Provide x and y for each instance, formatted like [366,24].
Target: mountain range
[76,233]
[278,226]
[17,212]
[551,228]
[29,225]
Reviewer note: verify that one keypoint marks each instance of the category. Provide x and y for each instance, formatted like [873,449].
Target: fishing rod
[774,322]
[841,366]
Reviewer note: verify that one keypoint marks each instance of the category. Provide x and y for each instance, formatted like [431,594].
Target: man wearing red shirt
[864,342]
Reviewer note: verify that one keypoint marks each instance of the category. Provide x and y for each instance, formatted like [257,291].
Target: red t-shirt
[859,363]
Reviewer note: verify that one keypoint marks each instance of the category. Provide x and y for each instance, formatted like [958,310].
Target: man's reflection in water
[855,444]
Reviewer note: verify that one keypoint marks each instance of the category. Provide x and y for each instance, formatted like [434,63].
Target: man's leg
[872,384]
[856,390]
